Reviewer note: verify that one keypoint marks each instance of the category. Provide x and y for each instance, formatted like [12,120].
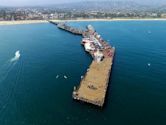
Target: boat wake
[16,57]
[8,88]
[8,66]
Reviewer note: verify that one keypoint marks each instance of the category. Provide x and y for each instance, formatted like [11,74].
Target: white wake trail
[16,57]
[8,66]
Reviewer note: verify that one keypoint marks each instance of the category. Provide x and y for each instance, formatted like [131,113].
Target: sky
[47,2]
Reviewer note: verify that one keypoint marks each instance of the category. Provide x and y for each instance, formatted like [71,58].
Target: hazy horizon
[49,2]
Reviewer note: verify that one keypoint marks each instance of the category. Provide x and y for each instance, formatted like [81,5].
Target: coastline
[79,20]
[113,19]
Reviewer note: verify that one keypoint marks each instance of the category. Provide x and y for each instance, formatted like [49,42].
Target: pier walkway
[93,86]
[70,29]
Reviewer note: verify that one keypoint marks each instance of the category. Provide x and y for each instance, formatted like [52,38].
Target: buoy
[149,64]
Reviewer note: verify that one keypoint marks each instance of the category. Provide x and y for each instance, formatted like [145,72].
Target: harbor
[93,86]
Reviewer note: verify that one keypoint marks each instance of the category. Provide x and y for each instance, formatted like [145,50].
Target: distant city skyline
[49,2]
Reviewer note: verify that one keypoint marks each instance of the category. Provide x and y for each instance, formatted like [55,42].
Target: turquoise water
[30,94]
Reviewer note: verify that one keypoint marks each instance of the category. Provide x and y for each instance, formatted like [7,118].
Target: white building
[89,47]
[98,56]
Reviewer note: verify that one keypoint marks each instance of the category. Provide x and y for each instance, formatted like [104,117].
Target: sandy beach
[22,22]
[75,20]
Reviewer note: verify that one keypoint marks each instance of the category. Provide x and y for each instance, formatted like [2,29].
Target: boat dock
[93,86]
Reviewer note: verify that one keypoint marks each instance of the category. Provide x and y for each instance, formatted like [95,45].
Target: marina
[93,85]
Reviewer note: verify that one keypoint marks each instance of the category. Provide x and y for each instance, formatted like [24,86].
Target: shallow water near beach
[31,93]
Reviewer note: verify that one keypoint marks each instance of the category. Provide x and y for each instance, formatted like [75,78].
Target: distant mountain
[162,8]
[101,5]
[106,5]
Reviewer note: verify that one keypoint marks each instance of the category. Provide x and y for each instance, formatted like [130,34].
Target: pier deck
[94,85]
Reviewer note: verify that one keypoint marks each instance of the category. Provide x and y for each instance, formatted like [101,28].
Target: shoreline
[113,19]
[80,20]
[22,22]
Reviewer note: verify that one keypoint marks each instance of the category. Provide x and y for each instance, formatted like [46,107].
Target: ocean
[32,94]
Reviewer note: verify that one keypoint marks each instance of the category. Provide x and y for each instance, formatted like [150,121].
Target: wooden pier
[93,86]
[52,22]
[67,28]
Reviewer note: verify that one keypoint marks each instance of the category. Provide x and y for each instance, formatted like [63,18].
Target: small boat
[57,76]
[149,32]
[65,77]
[16,57]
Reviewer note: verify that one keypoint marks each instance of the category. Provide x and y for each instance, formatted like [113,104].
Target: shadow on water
[110,84]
